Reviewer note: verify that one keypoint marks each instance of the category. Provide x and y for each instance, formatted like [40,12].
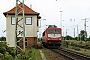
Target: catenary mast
[20,24]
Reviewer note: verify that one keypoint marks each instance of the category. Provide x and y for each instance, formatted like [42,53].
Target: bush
[8,57]
[6,52]
[9,53]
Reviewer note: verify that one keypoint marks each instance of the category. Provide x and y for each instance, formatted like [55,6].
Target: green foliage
[8,57]
[88,39]
[35,55]
[9,53]
[6,52]
[68,37]
[1,56]
[76,48]
[82,35]
[2,38]
[3,47]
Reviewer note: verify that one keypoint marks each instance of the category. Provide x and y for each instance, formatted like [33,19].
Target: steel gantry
[20,24]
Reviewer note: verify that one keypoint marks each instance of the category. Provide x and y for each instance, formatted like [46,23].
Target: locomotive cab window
[50,31]
[57,31]
[53,31]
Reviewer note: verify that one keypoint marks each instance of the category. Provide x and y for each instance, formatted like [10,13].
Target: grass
[77,49]
[45,53]
[32,54]
[35,55]
[80,42]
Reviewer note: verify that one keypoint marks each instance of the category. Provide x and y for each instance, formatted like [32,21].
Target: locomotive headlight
[59,38]
[48,38]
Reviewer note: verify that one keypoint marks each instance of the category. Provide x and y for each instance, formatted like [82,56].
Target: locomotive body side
[44,38]
[52,37]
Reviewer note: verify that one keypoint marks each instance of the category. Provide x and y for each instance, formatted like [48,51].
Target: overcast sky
[50,10]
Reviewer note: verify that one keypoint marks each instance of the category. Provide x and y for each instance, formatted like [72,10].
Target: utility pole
[85,36]
[61,18]
[66,33]
[74,32]
[20,25]
[63,33]
[85,30]
[74,26]
[77,33]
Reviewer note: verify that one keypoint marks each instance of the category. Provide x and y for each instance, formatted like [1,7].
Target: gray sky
[50,10]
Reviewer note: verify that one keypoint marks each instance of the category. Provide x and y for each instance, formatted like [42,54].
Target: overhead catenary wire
[63,4]
[56,9]
[73,26]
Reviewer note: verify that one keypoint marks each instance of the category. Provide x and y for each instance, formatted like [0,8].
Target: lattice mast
[20,23]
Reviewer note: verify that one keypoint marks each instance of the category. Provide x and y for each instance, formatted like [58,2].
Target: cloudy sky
[75,10]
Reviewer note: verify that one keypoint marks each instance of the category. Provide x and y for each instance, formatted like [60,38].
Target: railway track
[70,54]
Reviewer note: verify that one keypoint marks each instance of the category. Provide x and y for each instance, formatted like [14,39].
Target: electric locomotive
[52,37]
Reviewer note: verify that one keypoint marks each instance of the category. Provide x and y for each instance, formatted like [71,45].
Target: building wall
[30,30]
[29,41]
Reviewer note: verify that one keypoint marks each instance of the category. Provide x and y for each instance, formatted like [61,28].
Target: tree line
[81,36]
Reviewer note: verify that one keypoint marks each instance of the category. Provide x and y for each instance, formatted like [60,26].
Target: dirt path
[42,55]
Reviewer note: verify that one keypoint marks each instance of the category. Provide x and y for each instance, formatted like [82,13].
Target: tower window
[28,20]
[13,20]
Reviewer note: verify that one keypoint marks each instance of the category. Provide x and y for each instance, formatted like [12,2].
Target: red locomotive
[52,37]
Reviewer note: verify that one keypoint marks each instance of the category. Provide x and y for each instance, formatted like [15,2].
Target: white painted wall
[30,30]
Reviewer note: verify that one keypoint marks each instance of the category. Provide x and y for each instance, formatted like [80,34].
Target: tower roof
[27,11]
